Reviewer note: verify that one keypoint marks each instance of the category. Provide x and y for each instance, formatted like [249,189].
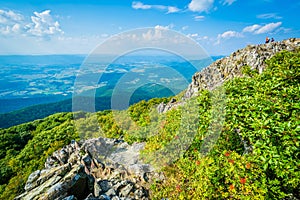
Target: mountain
[250,98]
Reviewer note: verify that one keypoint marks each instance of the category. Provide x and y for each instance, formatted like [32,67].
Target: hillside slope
[256,155]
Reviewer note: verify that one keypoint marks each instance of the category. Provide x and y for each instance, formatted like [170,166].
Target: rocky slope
[97,169]
[231,66]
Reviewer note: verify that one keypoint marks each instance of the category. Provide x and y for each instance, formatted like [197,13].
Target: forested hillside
[102,101]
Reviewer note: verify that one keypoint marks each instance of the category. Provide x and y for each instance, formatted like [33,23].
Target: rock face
[231,66]
[162,107]
[98,169]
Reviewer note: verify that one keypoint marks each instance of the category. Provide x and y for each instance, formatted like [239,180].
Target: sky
[77,27]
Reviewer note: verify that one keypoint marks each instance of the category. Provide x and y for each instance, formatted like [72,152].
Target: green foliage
[131,124]
[246,70]
[108,125]
[26,147]
[262,112]
[139,112]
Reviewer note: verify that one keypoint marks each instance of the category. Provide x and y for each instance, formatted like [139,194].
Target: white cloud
[228,2]
[197,37]
[259,29]
[200,5]
[173,9]
[2,19]
[227,35]
[5,30]
[230,34]
[268,16]
[16,28]
[185,28]
[159,27]
[268,28]
[43,24]
[168,9]
[10,22]
[251,28]
[199,18]
[140,5]
[192,35]
[157,33]
[9,16]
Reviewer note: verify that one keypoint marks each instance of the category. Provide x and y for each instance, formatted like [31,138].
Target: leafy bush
[26,147]
[262,117]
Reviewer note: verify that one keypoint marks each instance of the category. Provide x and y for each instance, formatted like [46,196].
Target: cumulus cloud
[228,2]
[10,22]
[7,30]
[157,33]
[16,28]
[200,5]
[259,29]
[43,24]
[168,9]
[268,16]
[9,16]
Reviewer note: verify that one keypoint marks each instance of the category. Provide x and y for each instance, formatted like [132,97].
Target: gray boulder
[100,168]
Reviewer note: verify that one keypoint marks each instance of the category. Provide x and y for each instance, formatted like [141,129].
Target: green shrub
[262,113]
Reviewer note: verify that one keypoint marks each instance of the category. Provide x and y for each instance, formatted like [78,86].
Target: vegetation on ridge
[255,157]
[262,112]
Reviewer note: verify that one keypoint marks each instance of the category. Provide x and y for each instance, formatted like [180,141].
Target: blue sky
[77,27]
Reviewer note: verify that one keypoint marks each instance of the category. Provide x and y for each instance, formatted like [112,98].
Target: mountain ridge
[226,172]
[232,66]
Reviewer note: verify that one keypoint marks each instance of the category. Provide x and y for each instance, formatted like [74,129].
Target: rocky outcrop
[97,169]
[231,66]
[163,107]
